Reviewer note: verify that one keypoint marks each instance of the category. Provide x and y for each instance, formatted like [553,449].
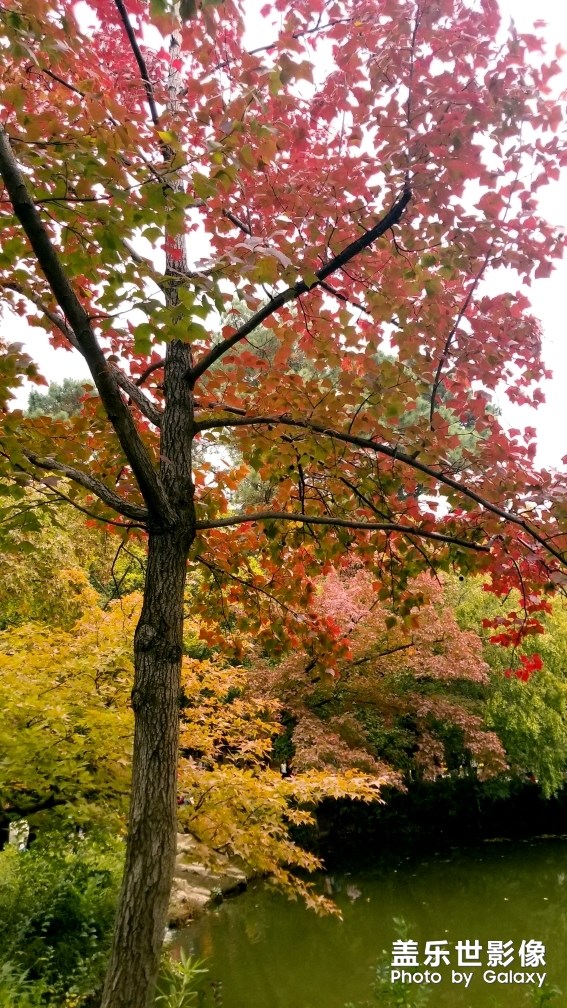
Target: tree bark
[152,832]
[158,651]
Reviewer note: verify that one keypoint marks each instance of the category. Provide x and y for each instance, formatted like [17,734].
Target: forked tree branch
[293,293]
[78,320]
[146,407]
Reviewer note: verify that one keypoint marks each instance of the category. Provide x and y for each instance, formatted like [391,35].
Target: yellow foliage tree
[234,799]
[65,732]
[66,740]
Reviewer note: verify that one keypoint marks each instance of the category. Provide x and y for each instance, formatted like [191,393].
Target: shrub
[57,903]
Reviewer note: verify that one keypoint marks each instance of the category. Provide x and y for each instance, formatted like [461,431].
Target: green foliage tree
[528,712]
[61,401]
[47,555]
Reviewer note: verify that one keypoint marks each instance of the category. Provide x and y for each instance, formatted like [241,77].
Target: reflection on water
[267,952]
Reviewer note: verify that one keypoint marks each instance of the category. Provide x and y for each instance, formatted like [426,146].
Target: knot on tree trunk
[145,636]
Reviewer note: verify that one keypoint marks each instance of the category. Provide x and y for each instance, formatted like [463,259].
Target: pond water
[266,952]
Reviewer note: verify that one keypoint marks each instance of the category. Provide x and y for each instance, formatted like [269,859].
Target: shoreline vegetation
[57,898]
[440,816]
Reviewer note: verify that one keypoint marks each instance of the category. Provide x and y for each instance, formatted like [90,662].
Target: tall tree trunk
[150,853]
[158,650]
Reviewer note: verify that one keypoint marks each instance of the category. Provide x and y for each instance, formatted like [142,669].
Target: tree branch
[237,222]
[318,27]
[149,370]
[369,444]
[384,654]
[93,485]
[215,569]
[61,80]
[291,516]
[77,318]
[148,86]
[445,353]
[346,300]
[197,405]
[56,320]
[148,408]
[64,499]
[292,293]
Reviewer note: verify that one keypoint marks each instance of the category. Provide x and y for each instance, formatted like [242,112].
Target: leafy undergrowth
[57,903]
[180,982]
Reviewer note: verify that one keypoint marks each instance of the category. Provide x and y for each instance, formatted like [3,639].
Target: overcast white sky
[547,296]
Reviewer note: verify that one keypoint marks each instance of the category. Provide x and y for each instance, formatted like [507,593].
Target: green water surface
[266,952]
